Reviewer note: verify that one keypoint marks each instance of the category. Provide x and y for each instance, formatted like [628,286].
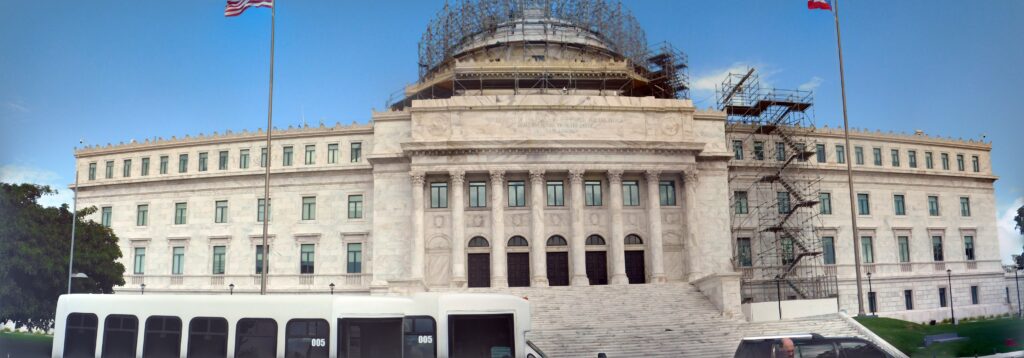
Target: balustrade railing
[243,283]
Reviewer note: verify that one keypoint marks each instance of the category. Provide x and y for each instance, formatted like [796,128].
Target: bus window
[420,335]
[307,338]
[370,337]
[481,336]
[80,335]
[119,335]
[256,337]
[163,337]
[208,337]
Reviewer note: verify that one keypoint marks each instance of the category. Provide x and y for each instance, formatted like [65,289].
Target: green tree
[1020,219]
[34,247]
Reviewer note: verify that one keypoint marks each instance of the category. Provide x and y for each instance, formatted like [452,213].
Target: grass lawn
[16,345]
[984,337]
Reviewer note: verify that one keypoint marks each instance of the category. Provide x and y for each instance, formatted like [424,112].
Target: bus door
[484,335]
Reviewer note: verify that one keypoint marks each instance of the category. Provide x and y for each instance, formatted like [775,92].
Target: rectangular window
[516,194]
[667,192]
[556,193]
[780,151]
[819,152]
[261,210]
[306,259]
[180,213]
[928,161]
[840,154]
[945,161]
[908,299]
[630,193]
[254,335]
[912,158]
[740,201]
[218,260]
[220,212]
[126,169]
[140,261]
[177,260]
[207,337]
[895,157]
[355,206]
[309,208]
[222,160]
[743,253]
[975,164]
[933,205]
[872,302]
[477,194]
[92,171]
[737,150]
[974,295]
[801,152]
[259,258]
[592,193]
[145,166]
[80,335]
[937,248]
[286,156]
[310,154]
[863,204]
[243,159]
[263,157]
[759,150]
[965,206]
[825,203]
[899,204]
[969,247]
[355,258]
[163,164]
[308,338]
[904,243]
[788,253]
[877,154]
[109,174]
[332,153]
[828,248]
[960,162]
[182,163]
[858,153]
[105,213]
[783,199]
[867,251]
[202,161]
[942,297]
[438,195]
[141,215]
[356,152]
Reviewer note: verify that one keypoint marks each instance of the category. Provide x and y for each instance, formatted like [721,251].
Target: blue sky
[110,71]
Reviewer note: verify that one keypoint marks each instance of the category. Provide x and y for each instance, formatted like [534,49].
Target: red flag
[236,7]
[819,5]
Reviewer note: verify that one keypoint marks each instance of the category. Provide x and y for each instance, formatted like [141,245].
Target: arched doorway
[557,261]
[518,261]
[479,262]
[597,260]
[635,267]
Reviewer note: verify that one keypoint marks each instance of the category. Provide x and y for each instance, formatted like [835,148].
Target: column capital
[536,175]
[497,176]
[652,175]
[576,176]
[458,176]
[615,177]
[691,175]
[418,177]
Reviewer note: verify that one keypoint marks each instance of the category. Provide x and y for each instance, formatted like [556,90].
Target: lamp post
[1017,281]
[142,288]
[949,277]
[871,295]
[778,292]
[74,220]
[231,288]
[332,288]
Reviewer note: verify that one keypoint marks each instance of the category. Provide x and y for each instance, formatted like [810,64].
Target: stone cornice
[552,102]
[532,146]
[215,175]
[865,134]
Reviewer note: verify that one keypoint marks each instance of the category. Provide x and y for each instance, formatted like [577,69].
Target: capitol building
[553,147]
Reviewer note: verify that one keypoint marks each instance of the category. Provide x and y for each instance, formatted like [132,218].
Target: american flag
[236,7]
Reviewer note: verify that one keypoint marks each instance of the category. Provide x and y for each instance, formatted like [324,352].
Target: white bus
[423,325]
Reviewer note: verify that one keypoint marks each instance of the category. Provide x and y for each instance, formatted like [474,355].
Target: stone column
[693,254]
[616,241]
[418,246]
[498,258]
[577,250]
[538,256]
[457,204]
[653,178]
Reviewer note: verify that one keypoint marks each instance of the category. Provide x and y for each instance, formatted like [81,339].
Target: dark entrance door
[479,270]
[558,269]
[635,267]
[518,269]
[597,267]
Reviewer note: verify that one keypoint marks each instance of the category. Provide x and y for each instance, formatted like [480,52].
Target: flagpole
[266,179]
[849,167]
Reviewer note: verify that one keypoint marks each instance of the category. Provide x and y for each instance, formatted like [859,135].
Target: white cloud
[16,174]
[811,85]
[1010,240]
[706,83]
[16,107]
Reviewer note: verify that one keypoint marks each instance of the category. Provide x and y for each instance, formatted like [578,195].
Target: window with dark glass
[819,152]
[592,193]
[180,213]
[355,206]
[80,335]
[162,337]
[840,154]
[306,258]
[942,297]
[908,299]
[788,251]
[899,204]
[182,163]
[263,158]
[872,302]
[517,241]
[737,150]
[975,164]
[974,295]
[243,159]
[877,154]
[912,158]
[740,202]
[904,243]
[332,153]
[945,161]
[667,192]
[828,249]
[895,157]
[825,203]
[286,156]
[516,194]
[594,240]
[310,154]
[106,213]
[177,260]
[208,337]
[863,204]
[438,195]
[801,151]
[780,151]
[937,248]
[259,258]
[92,171]
[220,211]
[969,247]
[370,337]
[261,210]
[858,153]
[632,239]
[163,164]
[222,160]
[630,193]
[218,260]
[109,174]
[309,208]
[556,193]
[126,168]
[960,162]
[867,249]
[743,253]
[145,166]
[119,335]
[965,206]
[758,150]
[477,194]
[202,161]
[307,338]
[356,152]
[140,261]
[782,198]
[420,338]
[355,258]
[928,161]
[256,337]
[933,205]
[557,241]
[478,242]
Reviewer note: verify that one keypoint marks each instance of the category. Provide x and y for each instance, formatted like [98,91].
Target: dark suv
[808,345]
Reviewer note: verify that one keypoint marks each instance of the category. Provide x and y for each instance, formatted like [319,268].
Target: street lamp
[871,295]
[231,287]
[143,289]
[74,220]
[949,277]
[332,288]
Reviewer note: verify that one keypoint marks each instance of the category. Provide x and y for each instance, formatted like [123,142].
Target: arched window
[633,239]
[478,242]
[557,241]
[517,241]
[595,240]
